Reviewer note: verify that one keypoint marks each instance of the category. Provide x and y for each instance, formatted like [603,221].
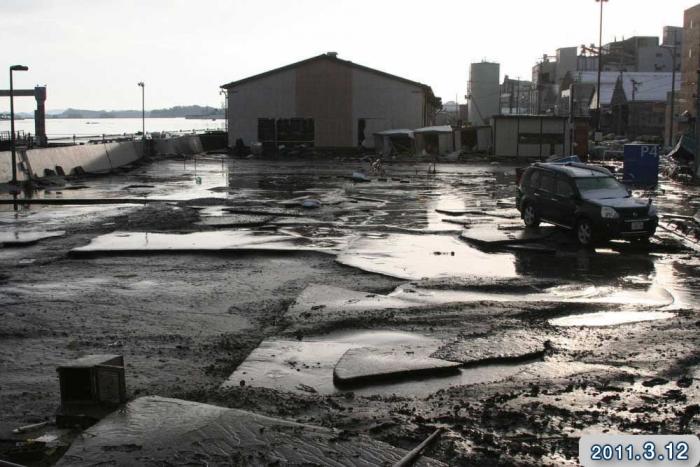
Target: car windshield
[601,188]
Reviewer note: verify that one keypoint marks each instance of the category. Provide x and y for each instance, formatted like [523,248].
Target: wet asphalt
[222,293]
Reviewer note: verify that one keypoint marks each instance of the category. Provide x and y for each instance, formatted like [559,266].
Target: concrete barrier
[92,158]
[189,144]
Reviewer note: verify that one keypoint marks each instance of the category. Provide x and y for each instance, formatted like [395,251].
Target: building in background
[690,63]
[644,53]
[552,75]
[325,102]
[516,96]
[452,113]
[583,85]
[633,104]
[483,92]
[545,87]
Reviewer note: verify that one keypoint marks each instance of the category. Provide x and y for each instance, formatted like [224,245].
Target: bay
[65,128]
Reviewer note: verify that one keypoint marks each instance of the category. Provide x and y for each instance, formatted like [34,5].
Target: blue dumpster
[641,165]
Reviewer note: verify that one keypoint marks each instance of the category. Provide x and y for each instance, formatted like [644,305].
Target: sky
[92,53]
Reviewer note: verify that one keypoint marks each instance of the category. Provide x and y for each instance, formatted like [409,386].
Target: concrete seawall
[93,158]
[181,145]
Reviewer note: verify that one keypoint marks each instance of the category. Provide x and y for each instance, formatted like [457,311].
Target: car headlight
[607,212]
[652,210]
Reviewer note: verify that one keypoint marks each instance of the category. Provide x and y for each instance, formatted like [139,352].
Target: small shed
[531,136]
[399,141]
[437,140]
[476,139]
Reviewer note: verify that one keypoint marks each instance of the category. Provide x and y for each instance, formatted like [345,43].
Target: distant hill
[172,112]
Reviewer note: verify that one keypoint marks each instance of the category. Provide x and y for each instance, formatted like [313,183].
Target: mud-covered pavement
[225,293]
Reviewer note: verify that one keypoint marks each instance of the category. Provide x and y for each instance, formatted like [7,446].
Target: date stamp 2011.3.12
[635,450]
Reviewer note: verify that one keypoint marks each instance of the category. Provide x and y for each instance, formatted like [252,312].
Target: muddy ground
[185,321]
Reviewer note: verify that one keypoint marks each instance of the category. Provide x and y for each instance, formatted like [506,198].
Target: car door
[544,195]
[564,202]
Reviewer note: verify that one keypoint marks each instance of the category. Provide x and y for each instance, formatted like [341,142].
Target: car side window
[535,179]
[564,188]
[548,183]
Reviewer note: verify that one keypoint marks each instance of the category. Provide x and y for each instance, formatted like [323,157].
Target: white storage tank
[484,92]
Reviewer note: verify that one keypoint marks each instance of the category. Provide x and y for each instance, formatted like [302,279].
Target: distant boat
[203,117]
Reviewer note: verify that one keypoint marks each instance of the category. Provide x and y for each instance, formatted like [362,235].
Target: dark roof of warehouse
[331,57]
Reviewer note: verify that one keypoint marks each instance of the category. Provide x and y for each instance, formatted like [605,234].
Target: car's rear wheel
[584,232]
[530,216]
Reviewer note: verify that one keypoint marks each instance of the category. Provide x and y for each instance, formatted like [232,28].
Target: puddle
[307,366]
[234,240]
[586,293]
[610,318]
[17,238]
[319,303]
[411,257]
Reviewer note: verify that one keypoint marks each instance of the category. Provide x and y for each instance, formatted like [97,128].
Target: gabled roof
[651,86]
[329,57]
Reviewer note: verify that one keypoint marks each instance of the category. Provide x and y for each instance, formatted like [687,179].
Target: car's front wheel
[530,216]
[584,232]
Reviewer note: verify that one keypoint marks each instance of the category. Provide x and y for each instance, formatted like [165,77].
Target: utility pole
[635,88]
[143,117]
[673,50]
[673,99]
[13,140]
[517,98]
[600,66]
[572,124]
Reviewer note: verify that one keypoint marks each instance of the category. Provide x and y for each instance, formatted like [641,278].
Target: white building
[531,136]
[325,102]
[484,92]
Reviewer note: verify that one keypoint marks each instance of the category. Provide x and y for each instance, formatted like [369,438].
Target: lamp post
[143,109]
[12,121]
[672,50]
[600,64]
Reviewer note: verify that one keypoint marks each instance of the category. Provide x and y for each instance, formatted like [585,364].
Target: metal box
[641,165]
[93,379]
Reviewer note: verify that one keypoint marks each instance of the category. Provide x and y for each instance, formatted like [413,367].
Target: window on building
[295,131]
[288,131]
[266,130]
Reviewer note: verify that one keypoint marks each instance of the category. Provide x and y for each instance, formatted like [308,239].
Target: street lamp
[600,63]
[672,50]
[12,121]
[143,109]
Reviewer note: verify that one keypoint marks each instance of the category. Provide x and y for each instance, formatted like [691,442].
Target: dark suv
[584,198]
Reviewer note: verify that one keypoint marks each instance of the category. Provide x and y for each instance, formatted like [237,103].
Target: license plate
[637,225]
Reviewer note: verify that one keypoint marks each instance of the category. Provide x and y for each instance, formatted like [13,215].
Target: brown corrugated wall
[324,92]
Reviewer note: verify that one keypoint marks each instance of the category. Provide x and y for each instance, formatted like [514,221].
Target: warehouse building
[325,102]
[531,136]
